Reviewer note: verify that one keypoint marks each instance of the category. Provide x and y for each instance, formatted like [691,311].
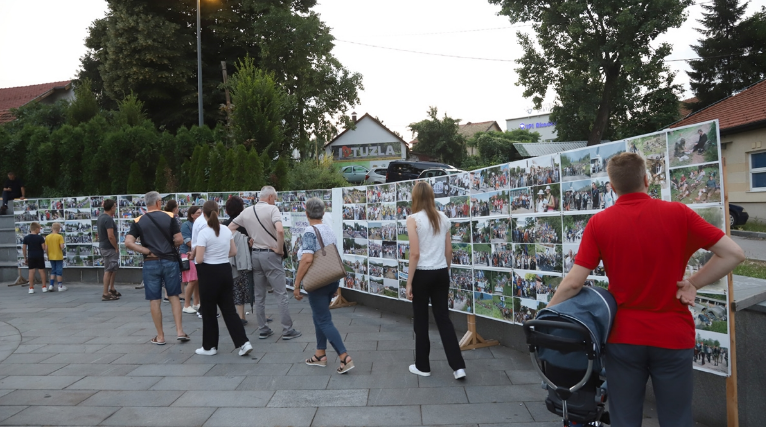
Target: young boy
[55,246]
[33,248]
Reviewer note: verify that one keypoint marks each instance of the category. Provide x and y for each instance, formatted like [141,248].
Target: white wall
[534,123]
[367,132]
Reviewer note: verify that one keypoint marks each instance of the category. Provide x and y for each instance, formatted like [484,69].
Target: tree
[497,147]
[215,166]
[440,138]
[85,106]
[280,178]
[160,175]
[136,183]
[599,59]
[732,54]
[229,181]
[255,178]
[309,174]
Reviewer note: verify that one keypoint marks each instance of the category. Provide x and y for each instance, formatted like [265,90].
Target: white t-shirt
[199,225]
[216,248]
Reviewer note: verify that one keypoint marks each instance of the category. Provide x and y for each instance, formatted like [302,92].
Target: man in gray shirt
[263,223]
[110,252]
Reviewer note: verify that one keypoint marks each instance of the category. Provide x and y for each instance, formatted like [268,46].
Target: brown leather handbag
[326,268]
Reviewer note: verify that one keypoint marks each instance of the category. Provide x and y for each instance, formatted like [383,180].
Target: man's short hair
[56,226]
[152,198]
[267,191]
[34,226]
[108,204]
[626,172]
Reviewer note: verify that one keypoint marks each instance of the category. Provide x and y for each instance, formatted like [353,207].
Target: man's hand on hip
[686,292]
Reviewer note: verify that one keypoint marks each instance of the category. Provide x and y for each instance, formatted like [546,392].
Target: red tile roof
[15,97]
[682,106]
[747,108]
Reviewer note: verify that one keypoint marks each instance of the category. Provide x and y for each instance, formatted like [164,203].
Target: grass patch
[752,268]
[752,225]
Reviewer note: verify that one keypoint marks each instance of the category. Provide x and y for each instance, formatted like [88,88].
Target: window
[758,171]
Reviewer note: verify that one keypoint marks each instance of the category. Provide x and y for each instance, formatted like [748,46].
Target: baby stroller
[566,343]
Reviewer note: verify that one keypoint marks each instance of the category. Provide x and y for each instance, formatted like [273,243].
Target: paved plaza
[70,359]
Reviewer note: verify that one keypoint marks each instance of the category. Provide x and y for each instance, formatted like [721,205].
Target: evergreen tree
[200,171]
[732,54]
[240,169]
[229,181]
[135,180]
[280,178]
[215,166]
[85,106]
[254,172]
[160,175]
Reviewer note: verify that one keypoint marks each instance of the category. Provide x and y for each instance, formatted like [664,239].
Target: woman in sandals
[428,280]
[320,298]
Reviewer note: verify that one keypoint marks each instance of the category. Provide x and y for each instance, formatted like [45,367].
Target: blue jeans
[57,268]
[155,272]
[319,300]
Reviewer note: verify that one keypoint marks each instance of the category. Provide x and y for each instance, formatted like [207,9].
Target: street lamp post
[199,65]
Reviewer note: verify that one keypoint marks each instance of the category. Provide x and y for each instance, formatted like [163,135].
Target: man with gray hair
[160,234]
[263,223]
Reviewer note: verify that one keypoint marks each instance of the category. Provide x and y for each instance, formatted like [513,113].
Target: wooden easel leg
[340,302]
[472,340]
[732,399]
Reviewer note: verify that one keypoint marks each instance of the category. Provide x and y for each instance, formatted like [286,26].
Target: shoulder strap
[319,237]
[264,228]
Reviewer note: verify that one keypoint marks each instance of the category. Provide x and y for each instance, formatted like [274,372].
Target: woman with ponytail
[428,280]
[214,246]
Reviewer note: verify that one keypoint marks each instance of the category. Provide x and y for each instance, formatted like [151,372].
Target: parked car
[355,173]
[737,215]
[376,176]
[430,173]
[402,170]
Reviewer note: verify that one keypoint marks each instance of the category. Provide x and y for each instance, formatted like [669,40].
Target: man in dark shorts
[653,332]
[160,234]
[110,252]
[33,248]
[12,189]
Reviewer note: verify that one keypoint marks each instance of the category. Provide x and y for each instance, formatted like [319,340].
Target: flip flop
[183,338]
[155,340]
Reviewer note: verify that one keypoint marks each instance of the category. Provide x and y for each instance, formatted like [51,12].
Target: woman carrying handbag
[314,239]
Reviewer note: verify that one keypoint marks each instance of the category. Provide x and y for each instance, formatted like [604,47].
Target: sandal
[115,293]
[317,361]
[156,340]
[109,297]
[183,338]
[345,365]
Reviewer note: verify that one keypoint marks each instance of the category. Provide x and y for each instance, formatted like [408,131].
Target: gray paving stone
[114,339]
[40,382]
[368,416]
[73,348]
[360,368]
[317,398]
[287,357]
[340,382]
[82,358]
[28,368]
[7,411]
[114,383]
[507,393]
[45,397]
[27,348]
[57,340]
[4,392]
[261,417]
[550,424]
[309,382]
[384,355]
[145,359]
[416,396]
[379,336]
[355,346]
[95,369]
[223,399]
[524,377]
[540,412]
[132,398]
[278,347]
[227,369]
[475,413]
[445,378]
[171,370]
[148,416]
[225,358]
[196,383]
[60,416]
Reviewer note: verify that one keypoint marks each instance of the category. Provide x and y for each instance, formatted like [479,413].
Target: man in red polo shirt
[645,245]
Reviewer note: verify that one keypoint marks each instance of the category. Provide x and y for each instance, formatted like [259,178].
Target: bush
[310,175]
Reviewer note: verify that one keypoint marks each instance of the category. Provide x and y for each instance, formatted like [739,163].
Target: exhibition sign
[515,227]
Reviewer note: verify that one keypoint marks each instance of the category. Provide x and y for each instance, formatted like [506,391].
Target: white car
[376,176]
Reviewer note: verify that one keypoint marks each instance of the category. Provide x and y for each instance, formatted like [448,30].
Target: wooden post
[472,340]
[732,399]
[340,302]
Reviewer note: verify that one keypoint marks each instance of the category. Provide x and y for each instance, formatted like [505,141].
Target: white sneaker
[415,371]
[31,290]
[45,289]
[246,349]
[50,288]
[201,351]
[460,374]
[195,307]
[189,310]
[62,288]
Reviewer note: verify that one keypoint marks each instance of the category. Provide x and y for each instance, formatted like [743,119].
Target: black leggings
[433,285]
[216,289]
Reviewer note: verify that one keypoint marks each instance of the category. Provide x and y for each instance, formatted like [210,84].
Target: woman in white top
[428,280]
[213,248]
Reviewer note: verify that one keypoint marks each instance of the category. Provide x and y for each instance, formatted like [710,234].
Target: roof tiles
[15,97]
[745,108]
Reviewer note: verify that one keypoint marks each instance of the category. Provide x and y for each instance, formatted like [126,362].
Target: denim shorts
[157,272]
[57,268]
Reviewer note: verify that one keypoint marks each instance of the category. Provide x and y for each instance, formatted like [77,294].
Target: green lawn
[752,268]
[752,225]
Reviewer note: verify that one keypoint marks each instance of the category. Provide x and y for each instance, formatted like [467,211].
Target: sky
[399,86]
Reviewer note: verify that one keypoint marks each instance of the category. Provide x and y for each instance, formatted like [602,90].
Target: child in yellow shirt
[55,245]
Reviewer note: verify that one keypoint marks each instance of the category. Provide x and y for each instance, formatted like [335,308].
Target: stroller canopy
[594,308]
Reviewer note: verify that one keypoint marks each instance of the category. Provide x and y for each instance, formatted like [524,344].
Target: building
[540,123]
[370,144]
[742,124]
[49,93]
[469,129]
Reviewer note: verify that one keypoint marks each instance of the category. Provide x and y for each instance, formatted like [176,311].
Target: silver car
[376,176]
[355,173]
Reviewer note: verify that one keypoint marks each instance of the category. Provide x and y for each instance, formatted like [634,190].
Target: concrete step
[6,221]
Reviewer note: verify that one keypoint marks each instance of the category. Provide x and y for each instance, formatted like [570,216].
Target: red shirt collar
[632,198]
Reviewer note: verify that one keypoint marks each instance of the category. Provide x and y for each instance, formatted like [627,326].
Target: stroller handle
[536,338]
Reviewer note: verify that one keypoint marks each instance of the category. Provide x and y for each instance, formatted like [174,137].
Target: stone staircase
[8,262]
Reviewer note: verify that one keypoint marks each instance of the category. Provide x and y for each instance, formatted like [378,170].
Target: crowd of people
[354,196]
[381,194]
[576,169]
[403,210]
[381,212]
[521,199]
[495,205]
[354,212]
[461,256]
[461,279]
[457,209]
[502,255]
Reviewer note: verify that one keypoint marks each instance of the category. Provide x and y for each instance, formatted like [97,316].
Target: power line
[451,32]
[427,53]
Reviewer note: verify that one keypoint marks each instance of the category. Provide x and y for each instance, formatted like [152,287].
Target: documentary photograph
[693,144]
[696,184]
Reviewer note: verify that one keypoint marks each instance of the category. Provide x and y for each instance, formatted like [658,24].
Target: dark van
[402,170]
